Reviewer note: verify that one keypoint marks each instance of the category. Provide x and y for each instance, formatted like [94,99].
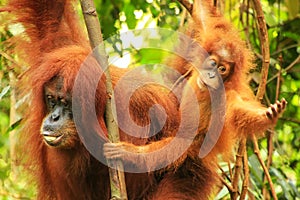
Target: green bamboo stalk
[117,178]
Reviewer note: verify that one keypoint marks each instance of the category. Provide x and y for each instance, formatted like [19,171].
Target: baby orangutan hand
[276,109]
[118,150]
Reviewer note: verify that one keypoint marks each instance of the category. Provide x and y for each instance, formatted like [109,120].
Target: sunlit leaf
[14,126]
[130,17]
[4,91]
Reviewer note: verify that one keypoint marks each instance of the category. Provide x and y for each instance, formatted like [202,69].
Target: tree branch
[246,175]
[260,159]
[264,45]
[296,61]
[117,179]
[238,166]
[187,5]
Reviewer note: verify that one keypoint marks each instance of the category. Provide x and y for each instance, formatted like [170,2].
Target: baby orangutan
[226,105]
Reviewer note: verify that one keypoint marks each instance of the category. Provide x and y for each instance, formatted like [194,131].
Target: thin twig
[228,186]
[260,159]
[246,176]
[279,77]
[296,61]
[270,134]
[284,49]
[8,57]
[290,120]
[187,5]
[219,4]
[246,26]
[238,166]
[230,170]
[224,174]
[182,18]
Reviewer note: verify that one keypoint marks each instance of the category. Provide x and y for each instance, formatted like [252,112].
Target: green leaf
[14,126]
[293,7]
[270,19]
[4,91]
[130,17]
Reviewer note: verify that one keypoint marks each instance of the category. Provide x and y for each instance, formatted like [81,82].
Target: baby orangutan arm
[156,155]
[121,149]
[251,117]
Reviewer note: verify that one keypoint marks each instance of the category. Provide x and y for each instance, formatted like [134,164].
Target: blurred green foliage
[283,22]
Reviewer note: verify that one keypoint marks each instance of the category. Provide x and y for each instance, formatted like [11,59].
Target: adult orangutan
[55,48]
[229,60]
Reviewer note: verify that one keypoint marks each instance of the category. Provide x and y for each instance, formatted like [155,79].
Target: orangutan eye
[222,69]
[64,103]
[213,63]
[51,101]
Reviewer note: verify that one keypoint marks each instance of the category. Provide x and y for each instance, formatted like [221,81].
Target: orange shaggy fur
[243,114]
[55,47]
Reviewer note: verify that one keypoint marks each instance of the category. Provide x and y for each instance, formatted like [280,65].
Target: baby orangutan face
[213,68]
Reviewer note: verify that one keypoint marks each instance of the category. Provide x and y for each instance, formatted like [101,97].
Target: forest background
[283,23]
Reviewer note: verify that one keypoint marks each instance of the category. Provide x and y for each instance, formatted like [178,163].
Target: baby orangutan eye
[222,69]
[212,62]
